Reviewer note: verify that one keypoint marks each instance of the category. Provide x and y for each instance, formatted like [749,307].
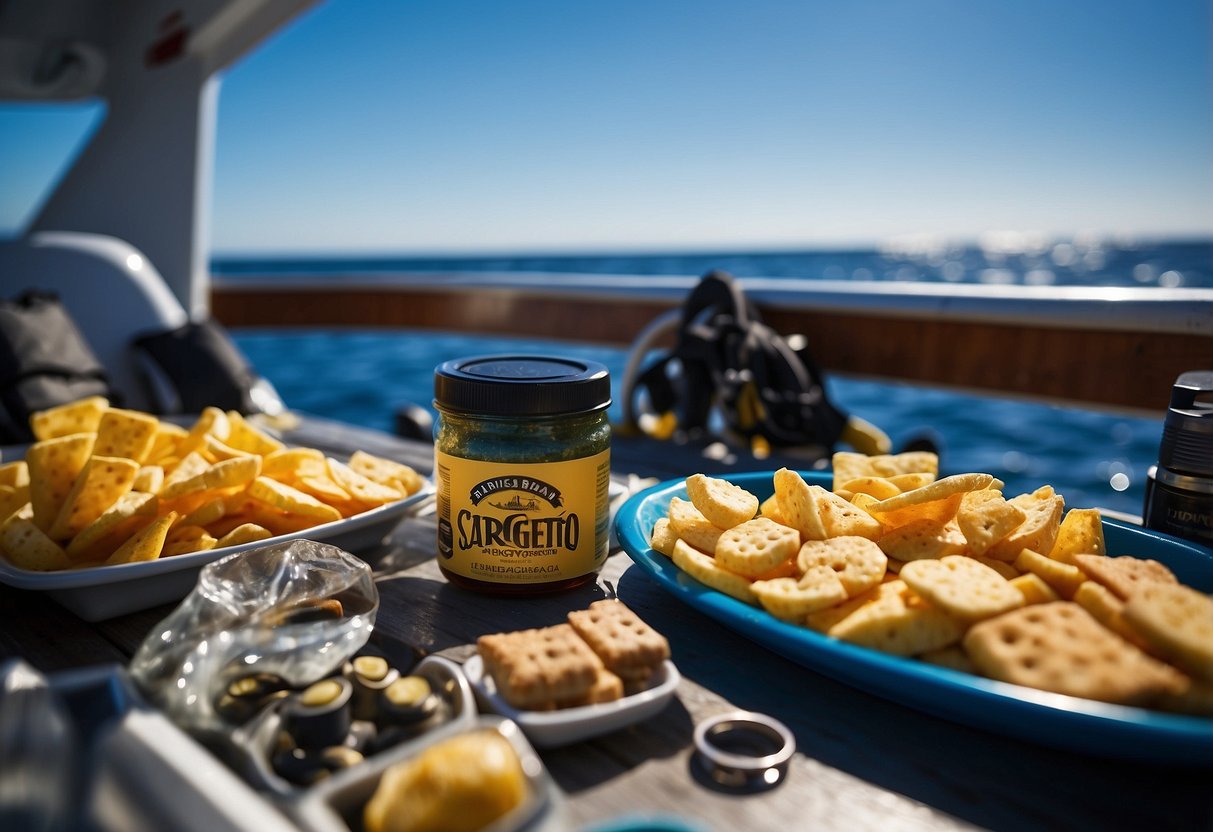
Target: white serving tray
[100,592]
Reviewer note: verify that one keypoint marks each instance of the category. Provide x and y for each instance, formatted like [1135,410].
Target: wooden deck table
[862,762]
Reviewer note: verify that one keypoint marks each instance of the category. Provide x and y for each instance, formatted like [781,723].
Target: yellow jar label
[516,523]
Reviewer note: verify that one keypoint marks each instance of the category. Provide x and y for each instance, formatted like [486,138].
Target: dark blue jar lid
[521,385]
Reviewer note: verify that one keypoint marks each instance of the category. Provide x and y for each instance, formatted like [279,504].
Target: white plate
[100,592]
[548,729]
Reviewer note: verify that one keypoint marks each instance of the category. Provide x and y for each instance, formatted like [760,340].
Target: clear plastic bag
[295,610]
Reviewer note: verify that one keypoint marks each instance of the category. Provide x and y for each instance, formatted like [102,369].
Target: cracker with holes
[858,562]
[705,570]
[756,547]
[1042,518]
[791,599]
[840,518]
[723,503]
[985,517]
[897,621]
[962,587]
[534,668]
[1124,574]
[922,540]
[690,525]
[797,506]
[1059,647]
[629,648]
[1177,621]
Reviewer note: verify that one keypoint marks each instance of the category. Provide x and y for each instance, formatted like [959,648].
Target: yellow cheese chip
[387,472]
[362,489]
[146,544]
[842,519]
[230,473]
[53,467]
[291,500]
[1080,533]
[723,503]
[290,463]
[663,537]
[878,487]
[80,416]
[797,505]
[97,540]
[183,539]
[165,445]
[149,478]
[1063,577]
[689,525]
[244,533]
[97,488]
[28,547]
[246,436]
[125,433]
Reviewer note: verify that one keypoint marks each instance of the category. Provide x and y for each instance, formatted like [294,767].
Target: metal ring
[744,749]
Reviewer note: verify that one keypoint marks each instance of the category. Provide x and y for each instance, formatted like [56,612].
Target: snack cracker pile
[950,572]
[596,656]
[103,485]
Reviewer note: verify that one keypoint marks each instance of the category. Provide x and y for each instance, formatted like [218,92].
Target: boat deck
[862,762]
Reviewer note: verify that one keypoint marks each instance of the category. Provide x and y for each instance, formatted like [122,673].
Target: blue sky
[464,125]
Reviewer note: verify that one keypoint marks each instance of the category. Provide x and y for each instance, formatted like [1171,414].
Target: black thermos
[1179,489]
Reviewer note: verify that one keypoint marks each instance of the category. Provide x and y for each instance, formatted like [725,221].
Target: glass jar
[522,467]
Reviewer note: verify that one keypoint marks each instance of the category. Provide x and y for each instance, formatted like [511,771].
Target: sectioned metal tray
[336,805]
[250,748]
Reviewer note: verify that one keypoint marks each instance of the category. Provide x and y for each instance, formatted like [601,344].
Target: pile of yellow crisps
[103,485]
[949,571]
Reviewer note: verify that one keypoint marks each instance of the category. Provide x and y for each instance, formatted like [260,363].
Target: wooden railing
[1119,348]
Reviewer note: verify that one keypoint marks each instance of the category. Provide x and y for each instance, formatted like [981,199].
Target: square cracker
[1124,574]
[1177,621]
[533,668]
[126,433]
[628,647]
[1059,647]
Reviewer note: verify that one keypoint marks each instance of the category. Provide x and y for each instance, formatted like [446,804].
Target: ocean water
[1092,458]
[998,259]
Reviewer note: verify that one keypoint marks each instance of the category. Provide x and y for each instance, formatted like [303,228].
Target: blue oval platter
[1048,718]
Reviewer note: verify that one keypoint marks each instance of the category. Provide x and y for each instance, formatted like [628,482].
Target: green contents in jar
[522,453]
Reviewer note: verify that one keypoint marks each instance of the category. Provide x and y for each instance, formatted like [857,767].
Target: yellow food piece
[460,784]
